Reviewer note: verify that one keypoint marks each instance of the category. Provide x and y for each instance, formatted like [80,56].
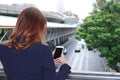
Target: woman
[26,57]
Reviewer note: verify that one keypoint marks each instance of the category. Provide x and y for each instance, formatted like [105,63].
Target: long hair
[30,28]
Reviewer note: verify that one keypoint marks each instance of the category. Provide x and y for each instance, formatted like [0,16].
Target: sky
[80,7]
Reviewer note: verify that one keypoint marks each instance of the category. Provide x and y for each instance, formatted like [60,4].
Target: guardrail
[3,37]
[83,76]
[94,76]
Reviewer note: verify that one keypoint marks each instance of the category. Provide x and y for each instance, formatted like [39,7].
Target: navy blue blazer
[33,63]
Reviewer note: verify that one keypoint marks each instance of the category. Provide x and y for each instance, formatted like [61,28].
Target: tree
[101,30]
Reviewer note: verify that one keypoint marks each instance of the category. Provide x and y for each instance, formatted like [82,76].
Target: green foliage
[101,30]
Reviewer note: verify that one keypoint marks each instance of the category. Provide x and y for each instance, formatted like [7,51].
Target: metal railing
[3,37]
[84,76]
[94,76]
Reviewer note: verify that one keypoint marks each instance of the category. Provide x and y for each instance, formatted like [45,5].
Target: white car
[77,49]
[64,51]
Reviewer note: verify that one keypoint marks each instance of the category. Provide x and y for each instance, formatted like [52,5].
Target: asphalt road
[84,60]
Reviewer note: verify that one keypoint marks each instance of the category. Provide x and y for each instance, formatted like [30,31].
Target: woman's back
[27,64]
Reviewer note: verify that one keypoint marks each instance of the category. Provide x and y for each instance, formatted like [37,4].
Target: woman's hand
[61,60]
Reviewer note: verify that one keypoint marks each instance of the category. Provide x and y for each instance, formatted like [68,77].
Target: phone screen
[57,53]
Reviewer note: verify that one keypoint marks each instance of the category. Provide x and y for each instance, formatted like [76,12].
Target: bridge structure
[57,34]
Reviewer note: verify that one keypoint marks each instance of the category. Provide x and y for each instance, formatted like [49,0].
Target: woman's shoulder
[2,46]
[41,46]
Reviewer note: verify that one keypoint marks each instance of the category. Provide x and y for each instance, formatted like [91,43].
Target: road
[84,60]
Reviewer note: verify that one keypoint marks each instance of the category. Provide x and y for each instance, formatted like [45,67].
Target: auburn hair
[30,28]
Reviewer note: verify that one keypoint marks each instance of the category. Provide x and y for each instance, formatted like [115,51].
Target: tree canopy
[101,30]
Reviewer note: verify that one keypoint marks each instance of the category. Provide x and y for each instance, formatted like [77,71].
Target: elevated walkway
[14,11]
[57,33]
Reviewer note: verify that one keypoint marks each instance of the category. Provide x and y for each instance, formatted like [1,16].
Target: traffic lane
[70,49]
[74,58]
[95,63]
[84,60]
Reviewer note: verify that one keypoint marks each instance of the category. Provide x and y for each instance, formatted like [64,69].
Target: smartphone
[58,52]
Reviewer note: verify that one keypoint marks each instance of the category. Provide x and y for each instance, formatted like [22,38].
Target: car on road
[77,49]
[64,51]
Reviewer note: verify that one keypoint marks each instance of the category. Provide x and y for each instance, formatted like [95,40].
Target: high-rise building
[60,6]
